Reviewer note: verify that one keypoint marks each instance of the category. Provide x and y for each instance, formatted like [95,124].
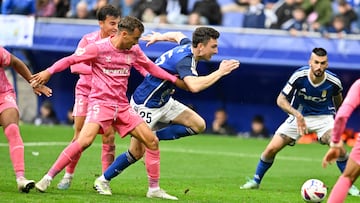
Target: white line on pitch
[172,149]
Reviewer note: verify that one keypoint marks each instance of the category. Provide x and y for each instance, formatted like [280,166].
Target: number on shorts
[146,116]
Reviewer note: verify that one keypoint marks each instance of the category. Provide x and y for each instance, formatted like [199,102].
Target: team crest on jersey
[80,51]
[108,59]
[323,94]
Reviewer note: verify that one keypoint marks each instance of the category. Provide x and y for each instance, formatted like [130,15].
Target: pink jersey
[351,101]
[110,70]
[83,85]
[5,57]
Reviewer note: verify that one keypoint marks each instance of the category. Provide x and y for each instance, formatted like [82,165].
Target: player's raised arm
[199,83]
[167,36]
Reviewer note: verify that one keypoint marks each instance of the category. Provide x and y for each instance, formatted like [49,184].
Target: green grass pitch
[197,169]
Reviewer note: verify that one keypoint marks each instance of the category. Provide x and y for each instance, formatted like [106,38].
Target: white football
[313,190]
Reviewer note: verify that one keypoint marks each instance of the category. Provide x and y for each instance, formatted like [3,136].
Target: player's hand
[40,78]
[331,156]
[151,38]
[42,89]
[302,129]
[226,66]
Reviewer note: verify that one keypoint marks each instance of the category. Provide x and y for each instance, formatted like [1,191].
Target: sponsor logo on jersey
[311,98]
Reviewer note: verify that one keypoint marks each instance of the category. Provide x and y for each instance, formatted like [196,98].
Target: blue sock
[341,165]
[121,163]
[261,169]
[174,132]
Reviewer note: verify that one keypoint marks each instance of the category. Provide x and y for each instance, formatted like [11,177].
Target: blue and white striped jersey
[309,98]
[154,92]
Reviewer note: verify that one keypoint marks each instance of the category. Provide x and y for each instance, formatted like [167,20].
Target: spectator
[99,4]
[126,6]
[47,115]
[283,11]
[82,11]
[45,8]
[297,25]
[337,27]
[255,15]
[177,11]
[319,13]
[73,6]
[19,7]
[150,11]
[206,12]
[350,16]
[220,124]
[258,128]
[62,7]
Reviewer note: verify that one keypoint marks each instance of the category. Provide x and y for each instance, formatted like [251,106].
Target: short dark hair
[203,35]
[319,51]
[130,23]
[107,10]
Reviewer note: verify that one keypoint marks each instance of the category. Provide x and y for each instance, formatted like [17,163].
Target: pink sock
[340,190]
[70,168]
[107,155]
[66,156]
[152,162]
[16,149]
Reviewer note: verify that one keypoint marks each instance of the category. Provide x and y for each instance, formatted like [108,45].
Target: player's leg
[345,181]
[85,139]
[108,149]
[184,122]
[144,134]
[124,160]
[285,135]
[9,119]
[65,182]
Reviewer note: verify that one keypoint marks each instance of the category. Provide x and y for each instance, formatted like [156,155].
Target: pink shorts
[355,152]
[80,106]
[8,100]
[123,118]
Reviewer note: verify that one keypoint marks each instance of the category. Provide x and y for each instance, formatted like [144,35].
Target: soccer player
[112,59]
[9,115]
[153,100]
[108,17]
[352,169]
[315,94]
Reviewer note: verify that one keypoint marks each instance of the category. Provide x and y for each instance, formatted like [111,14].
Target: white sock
[68,175]
[153,189]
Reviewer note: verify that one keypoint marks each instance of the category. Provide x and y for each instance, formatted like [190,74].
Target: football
[313,190]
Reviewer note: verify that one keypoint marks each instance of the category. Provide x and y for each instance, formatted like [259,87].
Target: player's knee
[153,143]
[108,139]
[199,127]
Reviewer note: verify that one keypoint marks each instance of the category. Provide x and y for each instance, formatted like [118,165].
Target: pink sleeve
[81,55]
[5,57]
[145,63]
[81,68]
[351,101]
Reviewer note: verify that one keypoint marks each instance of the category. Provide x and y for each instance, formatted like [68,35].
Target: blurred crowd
[299,17]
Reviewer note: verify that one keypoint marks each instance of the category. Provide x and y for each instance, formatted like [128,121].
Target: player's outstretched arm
[197,84]
[167,36]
